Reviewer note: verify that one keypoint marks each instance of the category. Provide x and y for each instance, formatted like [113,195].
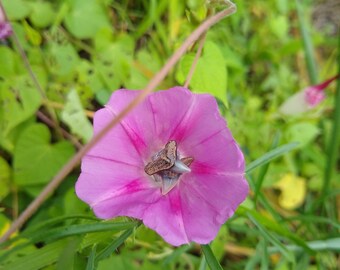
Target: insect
[163,160]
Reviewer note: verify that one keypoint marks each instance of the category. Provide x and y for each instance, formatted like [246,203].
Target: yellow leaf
[293,191]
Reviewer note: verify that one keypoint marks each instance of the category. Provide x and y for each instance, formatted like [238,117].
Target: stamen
[180,167]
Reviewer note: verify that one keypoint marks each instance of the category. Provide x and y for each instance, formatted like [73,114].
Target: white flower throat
[166,167]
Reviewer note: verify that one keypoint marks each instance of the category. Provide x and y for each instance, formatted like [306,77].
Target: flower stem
[333,145]
[210,258]
[154,82]
[31,74]
[194,63]
[308,45]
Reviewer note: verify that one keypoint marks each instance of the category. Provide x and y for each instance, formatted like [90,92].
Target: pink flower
[172,162]
[5,27]
[306,99]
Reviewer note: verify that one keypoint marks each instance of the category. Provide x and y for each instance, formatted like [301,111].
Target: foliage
[81,51]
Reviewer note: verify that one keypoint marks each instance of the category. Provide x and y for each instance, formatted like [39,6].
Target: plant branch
[30,71]
[194,63]
[54,183]
[66,135]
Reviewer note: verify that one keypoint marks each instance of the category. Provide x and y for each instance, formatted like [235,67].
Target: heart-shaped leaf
[73,115]
[86,18]
[19,100]
[36,160]
[210,75]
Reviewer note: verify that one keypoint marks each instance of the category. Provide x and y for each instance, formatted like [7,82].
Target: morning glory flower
[5,27]
[172,163]
[305,99]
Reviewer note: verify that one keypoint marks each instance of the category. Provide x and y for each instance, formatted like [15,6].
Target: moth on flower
[172,163]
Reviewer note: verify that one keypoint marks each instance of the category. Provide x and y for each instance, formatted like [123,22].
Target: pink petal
[165,217]
[171,108]
[195,210]
[114,189]
[5,30]
[219,195]
[116,145]
[139,124]
[208,201]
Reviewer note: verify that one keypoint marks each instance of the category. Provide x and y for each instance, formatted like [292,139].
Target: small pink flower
[306,99]
[5,30]
[172,162]
[5,27]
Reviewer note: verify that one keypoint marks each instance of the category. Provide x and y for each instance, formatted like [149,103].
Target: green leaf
[16,9]
[38,258]
[36,161]
[19,100]
[210,75]
[42,14]
[5,173]
[304,133]
[210,258]
[67,256]
[64,59]
[77,229]
[10,58]
[73,115]
[86,18]
[277,152]
[33,36]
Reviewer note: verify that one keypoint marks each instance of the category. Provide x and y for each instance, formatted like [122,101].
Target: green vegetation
[81,51]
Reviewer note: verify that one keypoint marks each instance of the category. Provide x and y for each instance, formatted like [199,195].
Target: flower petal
[171,108]
[165,217]
[116,145]
[208,201]
[139,125]
[100,177]
[115,189]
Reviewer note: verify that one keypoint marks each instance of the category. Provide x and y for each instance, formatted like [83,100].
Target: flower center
[166,167]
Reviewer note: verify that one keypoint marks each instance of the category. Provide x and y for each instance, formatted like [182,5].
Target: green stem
[308,46]
[210,258]
[333,146]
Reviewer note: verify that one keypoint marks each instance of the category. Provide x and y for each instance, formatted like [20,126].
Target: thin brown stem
[30,71]
[57,105]
[35,204]
[194,63]
[65,134]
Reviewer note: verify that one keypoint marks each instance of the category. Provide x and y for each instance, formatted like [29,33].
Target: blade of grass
[210,258]
[106,252]
[277,152]
[272,239]
[333,146]
[307,44]
[71,230]
[176,253]
[264,170]
[320,245]
[91,261]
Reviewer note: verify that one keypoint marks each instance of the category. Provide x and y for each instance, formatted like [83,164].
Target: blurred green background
[82,50]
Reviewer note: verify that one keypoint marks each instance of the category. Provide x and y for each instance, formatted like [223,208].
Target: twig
[194,63]
[143,94]
[66,135]
[57,105]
